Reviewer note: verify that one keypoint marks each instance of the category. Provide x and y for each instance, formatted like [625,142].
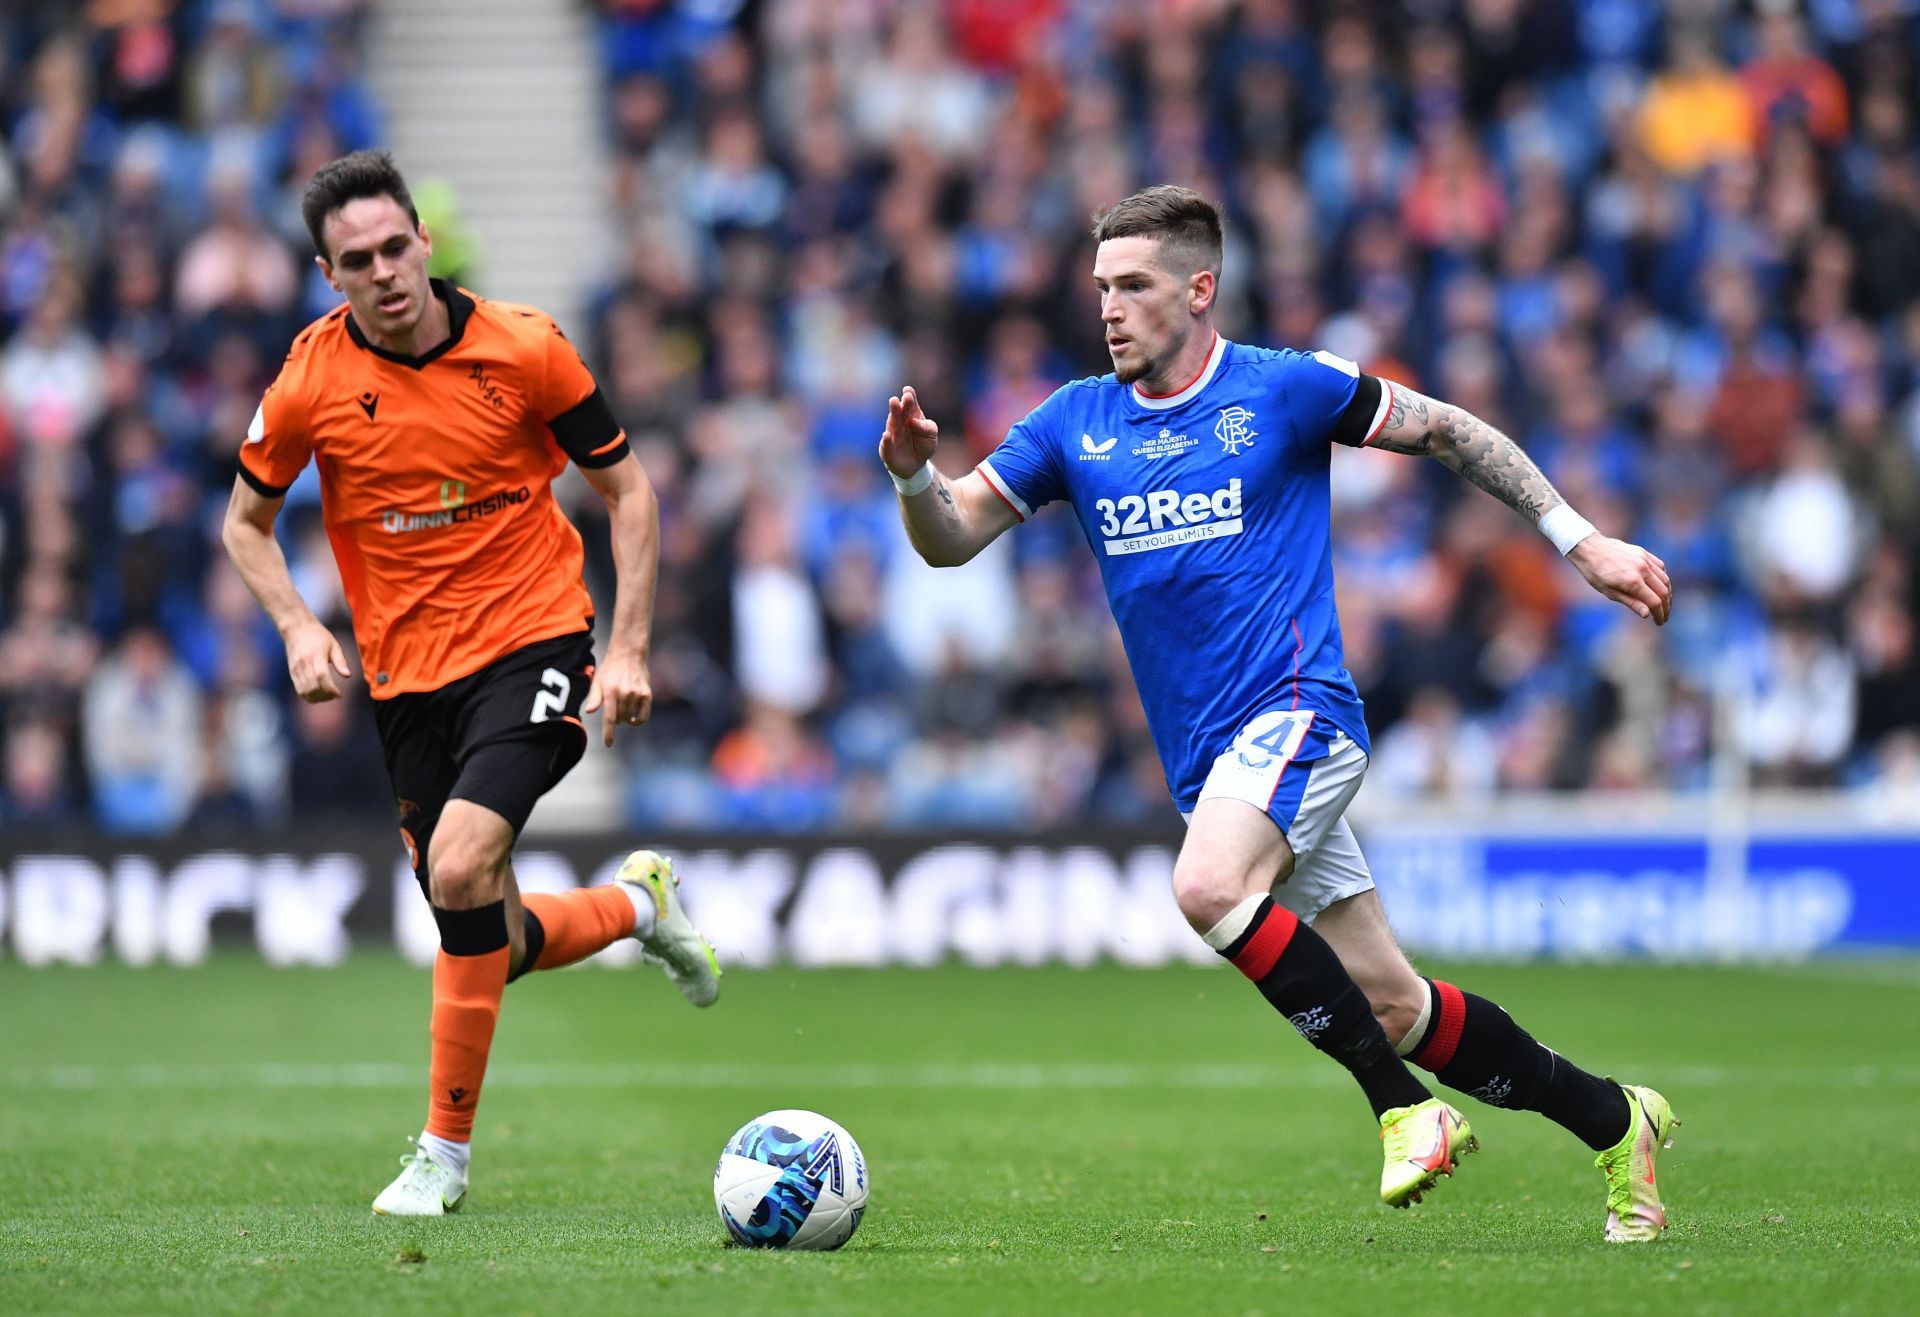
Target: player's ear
[1200,290]
[326,272]
[426,239]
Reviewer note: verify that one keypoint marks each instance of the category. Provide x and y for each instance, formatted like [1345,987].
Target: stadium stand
[1675,249]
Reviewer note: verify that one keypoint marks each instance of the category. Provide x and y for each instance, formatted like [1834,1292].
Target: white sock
[1418,1034]
[644,915]
[1232,924]
[453,1156]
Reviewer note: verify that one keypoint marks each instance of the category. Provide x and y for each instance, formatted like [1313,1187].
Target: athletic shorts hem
[1332,874]
[1303,772]
[501,737]
[1296,767]
[515,808]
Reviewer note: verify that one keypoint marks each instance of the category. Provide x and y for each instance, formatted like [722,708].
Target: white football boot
[425,1188]
[674,944]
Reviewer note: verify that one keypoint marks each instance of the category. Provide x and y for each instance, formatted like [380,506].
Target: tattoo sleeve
[1423,427]
[1407,425]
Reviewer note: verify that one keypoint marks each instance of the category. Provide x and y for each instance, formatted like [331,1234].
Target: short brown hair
[351,177]
[1186,224]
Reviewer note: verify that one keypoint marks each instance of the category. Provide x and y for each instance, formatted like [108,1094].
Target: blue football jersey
[1208,512]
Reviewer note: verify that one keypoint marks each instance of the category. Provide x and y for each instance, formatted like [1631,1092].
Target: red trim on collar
[1205,362]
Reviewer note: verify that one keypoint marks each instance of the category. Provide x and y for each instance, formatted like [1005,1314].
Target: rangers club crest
[1234,429]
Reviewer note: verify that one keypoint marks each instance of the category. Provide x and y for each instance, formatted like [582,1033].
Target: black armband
[587,432]
[261,487]
[1363,415]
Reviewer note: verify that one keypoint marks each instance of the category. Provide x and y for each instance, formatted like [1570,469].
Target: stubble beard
[1139,369]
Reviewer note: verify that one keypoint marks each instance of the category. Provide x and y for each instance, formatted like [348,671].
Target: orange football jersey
[435,480]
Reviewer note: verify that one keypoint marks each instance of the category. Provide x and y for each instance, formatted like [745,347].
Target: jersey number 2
[551,702]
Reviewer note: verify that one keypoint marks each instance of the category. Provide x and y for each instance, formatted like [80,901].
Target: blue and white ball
[791,1179]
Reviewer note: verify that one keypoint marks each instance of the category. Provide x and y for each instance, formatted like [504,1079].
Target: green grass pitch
[1107,1140]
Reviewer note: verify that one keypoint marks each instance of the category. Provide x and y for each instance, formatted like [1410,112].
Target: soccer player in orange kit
[438,420]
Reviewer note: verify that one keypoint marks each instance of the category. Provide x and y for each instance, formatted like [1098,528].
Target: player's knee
[1206,891]
[463,876]
[1397,1008]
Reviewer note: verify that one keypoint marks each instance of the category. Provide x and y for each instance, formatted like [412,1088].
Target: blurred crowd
[153,269]
[1674,249]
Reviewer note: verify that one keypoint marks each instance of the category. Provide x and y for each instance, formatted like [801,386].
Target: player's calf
[1399,1010]
[469,978]
[1472,1045]
[643,903]
[563,928]
[468,873]
[1299,975]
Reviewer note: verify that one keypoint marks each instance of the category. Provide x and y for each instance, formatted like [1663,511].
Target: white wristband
[913,484]
[1565,527]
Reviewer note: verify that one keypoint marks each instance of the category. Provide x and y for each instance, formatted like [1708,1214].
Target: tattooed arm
[1426,427]
[1462,442]
[948,521]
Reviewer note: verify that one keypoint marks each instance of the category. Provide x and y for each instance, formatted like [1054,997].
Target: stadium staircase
[502,100]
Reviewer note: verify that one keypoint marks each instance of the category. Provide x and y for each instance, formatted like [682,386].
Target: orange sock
[579,923]
[468,982]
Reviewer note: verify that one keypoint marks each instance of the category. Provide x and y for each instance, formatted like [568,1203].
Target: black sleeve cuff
[1355,425]
[261,487]
[587,432]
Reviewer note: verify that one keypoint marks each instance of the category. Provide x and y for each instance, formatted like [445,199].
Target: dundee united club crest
[1235,429]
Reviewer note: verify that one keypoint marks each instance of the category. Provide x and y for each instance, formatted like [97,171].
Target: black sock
[1297,972]
[1471,1044]
[535,941]
[476,932]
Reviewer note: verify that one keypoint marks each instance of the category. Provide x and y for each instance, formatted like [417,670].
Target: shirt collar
[1188,391]
[459,311]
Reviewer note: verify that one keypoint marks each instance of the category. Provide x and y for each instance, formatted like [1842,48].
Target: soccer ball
[791,1179]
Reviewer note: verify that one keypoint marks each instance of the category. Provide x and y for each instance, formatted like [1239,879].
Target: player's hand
[622,685]
[1626,574]
[313,657]
[908,442]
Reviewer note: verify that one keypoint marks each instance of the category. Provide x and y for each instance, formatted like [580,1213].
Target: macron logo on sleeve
[257,429]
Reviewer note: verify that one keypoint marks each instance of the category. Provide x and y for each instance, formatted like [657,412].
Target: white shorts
[1302,772]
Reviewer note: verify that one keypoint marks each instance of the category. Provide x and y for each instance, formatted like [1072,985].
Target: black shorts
[501,737]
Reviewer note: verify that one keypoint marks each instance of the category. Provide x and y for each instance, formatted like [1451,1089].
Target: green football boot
[1635,1214]
[675,944]
[1422,1142]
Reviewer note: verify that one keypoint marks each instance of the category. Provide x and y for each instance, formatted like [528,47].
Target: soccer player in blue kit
[1198,471]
